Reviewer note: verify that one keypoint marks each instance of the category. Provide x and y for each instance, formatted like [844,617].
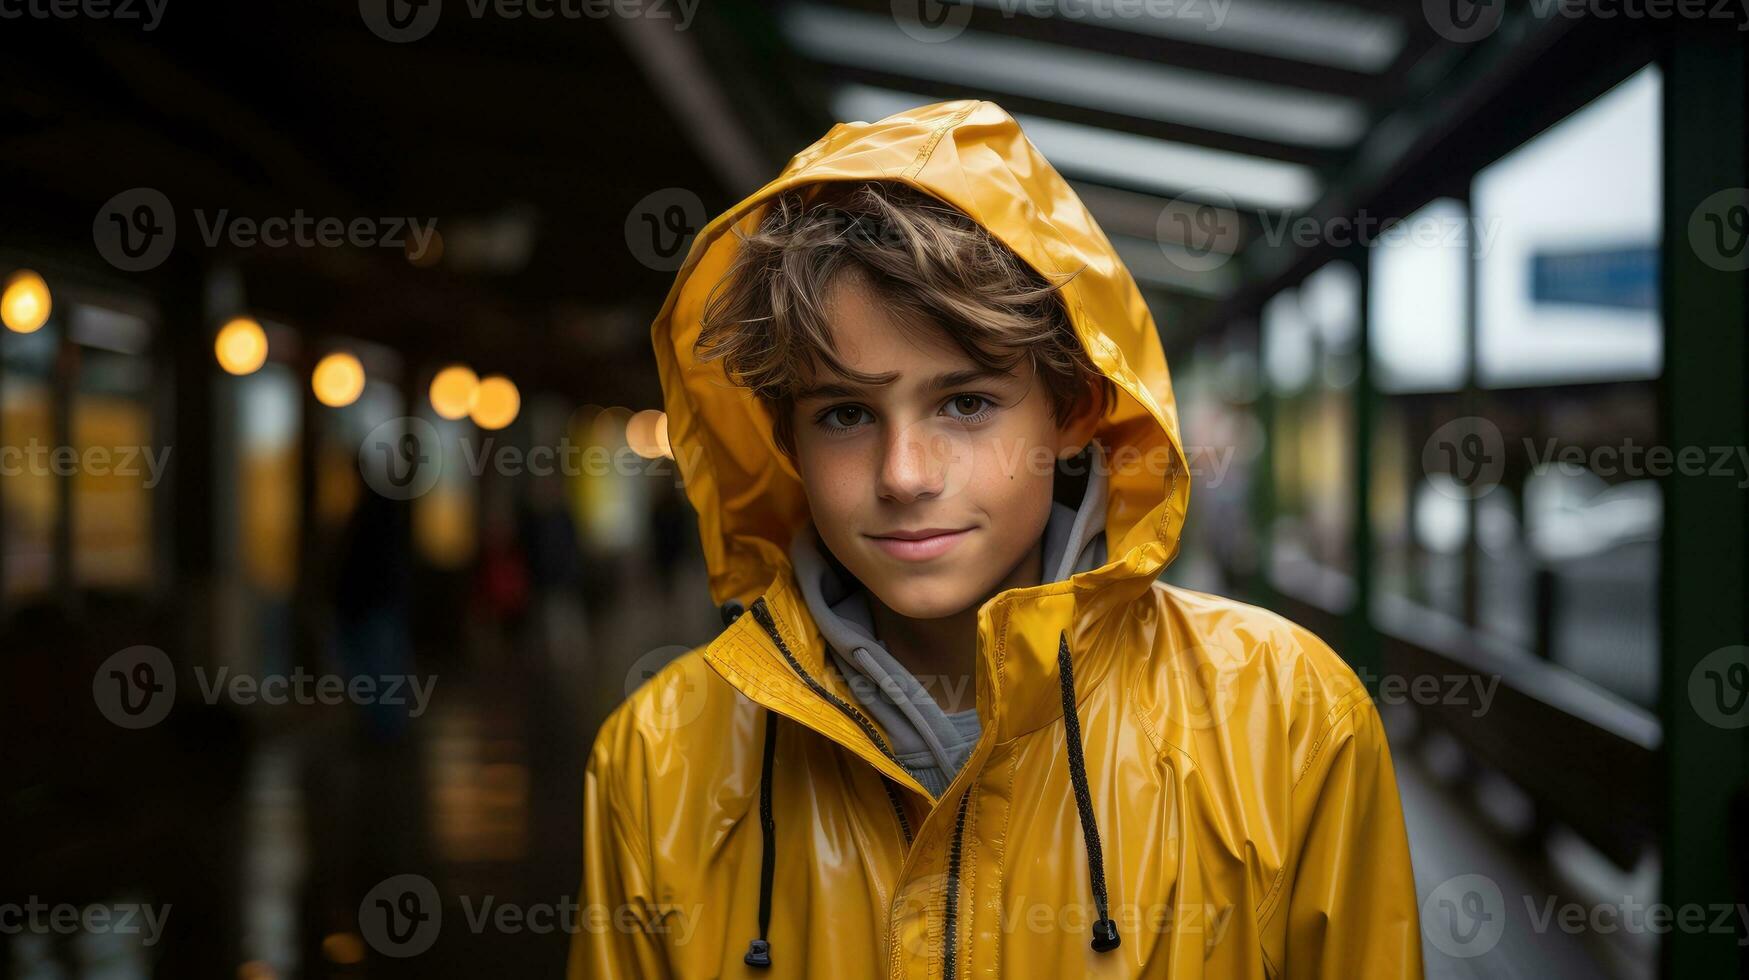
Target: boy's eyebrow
[941,382]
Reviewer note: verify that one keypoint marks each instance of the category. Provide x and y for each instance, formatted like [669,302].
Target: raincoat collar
[749,498]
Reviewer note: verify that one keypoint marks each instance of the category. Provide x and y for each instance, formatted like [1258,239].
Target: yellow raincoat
[1221,793]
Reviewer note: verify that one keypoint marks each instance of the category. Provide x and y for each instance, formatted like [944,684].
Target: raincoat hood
[972,155]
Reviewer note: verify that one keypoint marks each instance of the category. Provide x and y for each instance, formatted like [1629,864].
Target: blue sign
[1625,277]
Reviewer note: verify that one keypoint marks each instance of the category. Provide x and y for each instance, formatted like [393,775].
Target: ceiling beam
[674,68]
[829,75]
[1091,35]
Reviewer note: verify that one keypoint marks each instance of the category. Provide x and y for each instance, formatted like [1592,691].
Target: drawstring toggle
[1105,937]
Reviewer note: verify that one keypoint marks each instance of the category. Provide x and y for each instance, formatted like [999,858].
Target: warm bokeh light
[497,402]
[338,379]
[241,346]
[25,304]
[609,427]
[454,390]
[427,256]
[644,433]
[345,948]
[446,525]
[581,426]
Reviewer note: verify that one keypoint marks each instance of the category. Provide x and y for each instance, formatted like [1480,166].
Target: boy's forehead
[868,337]
[946,368]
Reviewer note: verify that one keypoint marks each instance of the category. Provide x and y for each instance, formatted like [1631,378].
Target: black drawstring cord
[1105,937]
[759,950]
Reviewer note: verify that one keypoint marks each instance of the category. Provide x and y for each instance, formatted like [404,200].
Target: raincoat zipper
[762,614]
[950,925]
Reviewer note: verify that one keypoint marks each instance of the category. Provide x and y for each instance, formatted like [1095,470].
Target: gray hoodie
[930,742]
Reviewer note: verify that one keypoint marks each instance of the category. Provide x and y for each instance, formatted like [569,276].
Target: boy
[955,726]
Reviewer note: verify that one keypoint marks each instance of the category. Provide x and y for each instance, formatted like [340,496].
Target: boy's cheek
[831,480]
[1013,460]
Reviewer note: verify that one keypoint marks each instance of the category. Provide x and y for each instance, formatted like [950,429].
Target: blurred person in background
[372,593]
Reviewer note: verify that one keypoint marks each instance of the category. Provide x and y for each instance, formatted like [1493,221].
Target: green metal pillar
[1361,640]
[1705,561]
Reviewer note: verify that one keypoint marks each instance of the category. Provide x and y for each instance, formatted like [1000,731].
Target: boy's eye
[841,417]
[973,407]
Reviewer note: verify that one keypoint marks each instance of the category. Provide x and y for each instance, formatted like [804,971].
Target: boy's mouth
[919,545]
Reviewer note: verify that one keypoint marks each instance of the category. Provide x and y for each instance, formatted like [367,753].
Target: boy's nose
[915,461]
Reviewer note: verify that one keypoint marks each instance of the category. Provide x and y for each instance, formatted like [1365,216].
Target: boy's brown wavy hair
[932,265]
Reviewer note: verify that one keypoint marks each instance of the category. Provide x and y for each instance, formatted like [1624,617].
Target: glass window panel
[119,464]
[1417,301]
[31,496]
[1567,237]
[1217,399]
[1309,338]
[1289,343]
[269,478]
[1568,541]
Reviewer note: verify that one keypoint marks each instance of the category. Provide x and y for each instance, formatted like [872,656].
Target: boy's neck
[941,653]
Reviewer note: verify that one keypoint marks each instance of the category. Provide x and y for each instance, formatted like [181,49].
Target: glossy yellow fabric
[1238,770]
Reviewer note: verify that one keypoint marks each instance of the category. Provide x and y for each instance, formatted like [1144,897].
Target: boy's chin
[926,597]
